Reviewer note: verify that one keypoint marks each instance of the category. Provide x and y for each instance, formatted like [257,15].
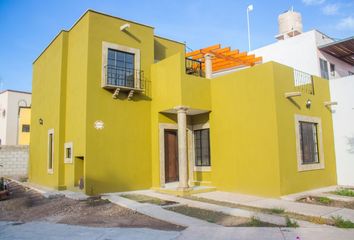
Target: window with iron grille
[202,147]
[309,142]
[25,128]
[120,68]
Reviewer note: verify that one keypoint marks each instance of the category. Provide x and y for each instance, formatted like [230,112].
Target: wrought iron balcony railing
[303,82]
[125,78]
[194,67]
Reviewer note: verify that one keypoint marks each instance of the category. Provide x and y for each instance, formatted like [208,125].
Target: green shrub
[341,223]
[324,200]
[277,210]
[291,223]
[345,192]
[255,222]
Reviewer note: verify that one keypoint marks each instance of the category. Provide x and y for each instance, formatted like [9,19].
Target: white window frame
[122,48]
[321,163]
[50,170]
[66,146]
[200,168]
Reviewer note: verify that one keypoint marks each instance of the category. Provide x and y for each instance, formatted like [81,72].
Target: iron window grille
[202,147]
[194,67]
[309,143]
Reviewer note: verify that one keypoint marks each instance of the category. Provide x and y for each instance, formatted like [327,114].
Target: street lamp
[249,9]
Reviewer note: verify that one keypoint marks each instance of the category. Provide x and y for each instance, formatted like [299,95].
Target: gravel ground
[26,205]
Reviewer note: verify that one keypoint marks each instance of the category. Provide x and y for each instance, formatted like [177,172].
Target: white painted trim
[315,166]
[202,168]
[135,51]
[50,170]
[172,126]
[68,145]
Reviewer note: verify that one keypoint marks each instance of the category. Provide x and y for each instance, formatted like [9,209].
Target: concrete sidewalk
[50,231]
[274,219]
[289,206]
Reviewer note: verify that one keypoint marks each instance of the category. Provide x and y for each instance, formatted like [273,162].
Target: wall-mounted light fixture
[40,121]
[308,103]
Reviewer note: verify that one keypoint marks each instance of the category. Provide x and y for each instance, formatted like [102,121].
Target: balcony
[194,67]
[123,80]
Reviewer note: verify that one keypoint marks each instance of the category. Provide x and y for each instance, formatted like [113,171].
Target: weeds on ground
[341,223]
[345,192]
[276,210]
[324,200]
[255,222]
[291,223]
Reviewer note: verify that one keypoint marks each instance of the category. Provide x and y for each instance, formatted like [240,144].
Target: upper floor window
[332,69]
[324,68]
[202,147]
[120,68]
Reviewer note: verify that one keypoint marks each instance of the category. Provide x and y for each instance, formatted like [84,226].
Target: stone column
[182,147]
[208,65]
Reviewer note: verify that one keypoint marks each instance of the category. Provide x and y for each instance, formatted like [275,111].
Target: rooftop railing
[303,82]
[194,67]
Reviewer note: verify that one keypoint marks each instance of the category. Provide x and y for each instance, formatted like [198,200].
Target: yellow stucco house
[117,108]
[24,125]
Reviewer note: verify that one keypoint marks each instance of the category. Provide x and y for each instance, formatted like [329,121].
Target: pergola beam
[224,58]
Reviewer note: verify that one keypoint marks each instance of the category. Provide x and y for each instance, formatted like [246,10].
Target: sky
[28,26]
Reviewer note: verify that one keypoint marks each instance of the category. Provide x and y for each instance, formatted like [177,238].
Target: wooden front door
[171,156]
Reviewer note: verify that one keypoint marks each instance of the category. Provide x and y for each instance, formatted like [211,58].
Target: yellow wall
[48,88]
[291,180]
[252,128]
[243,132]
[164,48]
[118,158]
[24,119]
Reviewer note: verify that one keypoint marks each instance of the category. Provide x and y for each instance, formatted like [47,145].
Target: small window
[50,150]
[332,69]
[309,142]
[68,152]
[324,68]
[120,68]
[25,128]
[202,147]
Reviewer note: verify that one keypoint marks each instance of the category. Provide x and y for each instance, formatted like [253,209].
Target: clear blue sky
[28,26]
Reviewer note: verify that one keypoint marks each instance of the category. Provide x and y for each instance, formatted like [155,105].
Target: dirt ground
[27,205]
[330,203]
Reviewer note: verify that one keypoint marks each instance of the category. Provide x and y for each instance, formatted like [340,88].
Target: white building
[310,52]
[10,101]
[315,53]
[342,91]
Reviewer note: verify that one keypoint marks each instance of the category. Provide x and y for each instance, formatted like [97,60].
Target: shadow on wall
[350,141]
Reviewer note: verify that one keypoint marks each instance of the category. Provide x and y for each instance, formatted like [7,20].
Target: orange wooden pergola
[224,58]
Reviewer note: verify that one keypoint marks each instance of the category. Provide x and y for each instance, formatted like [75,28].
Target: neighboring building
[261,130]
[312,52]
[316,53]
[10,103]
[343,123]
[24,125]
